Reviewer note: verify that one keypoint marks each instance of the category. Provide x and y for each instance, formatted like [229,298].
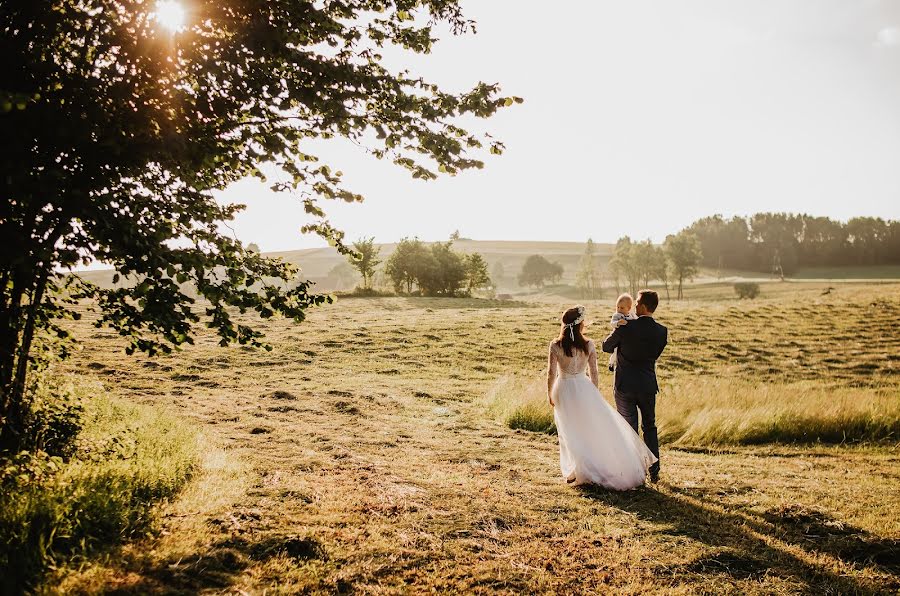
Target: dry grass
[372,464]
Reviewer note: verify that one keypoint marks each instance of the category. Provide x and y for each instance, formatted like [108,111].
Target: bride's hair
[575,339]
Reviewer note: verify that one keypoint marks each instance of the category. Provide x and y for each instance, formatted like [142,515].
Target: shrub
[127,459]
[746,289]
[53,417]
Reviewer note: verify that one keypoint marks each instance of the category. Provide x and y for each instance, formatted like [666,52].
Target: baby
[623,313]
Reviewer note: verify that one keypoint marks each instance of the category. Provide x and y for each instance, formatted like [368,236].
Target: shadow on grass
[218,567]
[747,545]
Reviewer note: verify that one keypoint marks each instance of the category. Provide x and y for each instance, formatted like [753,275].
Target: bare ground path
[369,465]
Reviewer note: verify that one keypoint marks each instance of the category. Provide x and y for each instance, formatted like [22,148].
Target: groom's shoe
[654,474]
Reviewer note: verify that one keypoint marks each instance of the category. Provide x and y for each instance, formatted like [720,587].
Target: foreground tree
[365,259]
[116,131]
[683,253]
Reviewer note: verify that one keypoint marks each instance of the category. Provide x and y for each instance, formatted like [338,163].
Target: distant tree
[444,271]
[476,272]
[537,271]
[659,267]
[868,238]
[498,272]
[454,236]
[344,274]
[253,247]
[406,264]
[777,239]
[588,277]
[683,253]
[625,264]
[365,259]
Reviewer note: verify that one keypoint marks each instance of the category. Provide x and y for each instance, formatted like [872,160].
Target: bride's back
[576,363]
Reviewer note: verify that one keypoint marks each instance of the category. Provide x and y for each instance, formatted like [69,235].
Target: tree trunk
[17,363]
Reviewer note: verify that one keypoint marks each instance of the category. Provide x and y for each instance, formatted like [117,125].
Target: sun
[170,14]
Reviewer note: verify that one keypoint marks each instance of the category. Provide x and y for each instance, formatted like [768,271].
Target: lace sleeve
[551,368]
[592,364]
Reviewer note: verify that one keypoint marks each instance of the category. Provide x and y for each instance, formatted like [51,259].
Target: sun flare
[170,14]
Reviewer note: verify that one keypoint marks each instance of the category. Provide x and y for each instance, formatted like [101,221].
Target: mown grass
[129,458]
[374,461]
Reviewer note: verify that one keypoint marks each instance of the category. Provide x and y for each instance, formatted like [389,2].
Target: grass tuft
[521,404]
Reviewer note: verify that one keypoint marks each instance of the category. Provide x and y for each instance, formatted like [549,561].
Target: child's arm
[614,321]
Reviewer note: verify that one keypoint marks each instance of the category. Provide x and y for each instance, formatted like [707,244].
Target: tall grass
[129,458]
[521,403]
[720,410]
[707,410]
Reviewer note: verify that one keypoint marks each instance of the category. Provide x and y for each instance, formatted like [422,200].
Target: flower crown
[571,326]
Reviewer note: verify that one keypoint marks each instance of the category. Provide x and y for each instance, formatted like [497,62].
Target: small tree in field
[365,259]
[683,254]
[444,272]
[587,279]
[117,131]
[406,264]
[537,271]
[476,272]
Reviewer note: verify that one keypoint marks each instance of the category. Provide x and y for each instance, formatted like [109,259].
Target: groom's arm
[613,340]
[663,343]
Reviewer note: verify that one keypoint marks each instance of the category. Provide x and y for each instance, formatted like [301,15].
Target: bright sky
[639,118]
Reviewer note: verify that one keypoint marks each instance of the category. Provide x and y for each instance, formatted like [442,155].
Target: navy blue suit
[640,343]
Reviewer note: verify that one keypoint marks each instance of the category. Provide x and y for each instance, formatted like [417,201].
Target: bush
[127,459]
[359,292]
[53,417]
[746,289]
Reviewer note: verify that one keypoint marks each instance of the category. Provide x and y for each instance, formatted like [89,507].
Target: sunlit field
[376,454]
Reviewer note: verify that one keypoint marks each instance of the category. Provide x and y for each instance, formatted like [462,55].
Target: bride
[596,445]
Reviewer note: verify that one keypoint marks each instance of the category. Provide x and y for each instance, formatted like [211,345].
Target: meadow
[371,451]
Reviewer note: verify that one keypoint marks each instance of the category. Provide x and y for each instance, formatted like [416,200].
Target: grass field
[369,452]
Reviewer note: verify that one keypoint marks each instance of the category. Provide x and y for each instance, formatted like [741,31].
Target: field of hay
[370,452]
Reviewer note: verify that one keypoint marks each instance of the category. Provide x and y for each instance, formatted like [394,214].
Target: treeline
[416,268]
[781,243]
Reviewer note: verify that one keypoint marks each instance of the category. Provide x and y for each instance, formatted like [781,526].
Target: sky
[639,118]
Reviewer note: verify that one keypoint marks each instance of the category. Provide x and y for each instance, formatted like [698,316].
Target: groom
[640,343]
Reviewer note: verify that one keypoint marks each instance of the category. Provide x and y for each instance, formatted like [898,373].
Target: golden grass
[376,461]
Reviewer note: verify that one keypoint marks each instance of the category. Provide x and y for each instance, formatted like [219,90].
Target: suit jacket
[639,345]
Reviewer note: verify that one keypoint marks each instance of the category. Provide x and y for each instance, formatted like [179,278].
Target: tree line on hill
[781,243]
[434,269]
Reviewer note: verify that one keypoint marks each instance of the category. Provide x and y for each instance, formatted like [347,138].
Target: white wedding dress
[596,445]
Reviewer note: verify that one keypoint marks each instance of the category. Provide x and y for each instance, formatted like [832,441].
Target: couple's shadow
[749,546]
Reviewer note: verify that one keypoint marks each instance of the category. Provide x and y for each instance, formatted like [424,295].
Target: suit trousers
[628,405]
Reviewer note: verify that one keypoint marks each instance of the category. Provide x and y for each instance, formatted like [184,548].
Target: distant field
[317,263]
[376,460]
